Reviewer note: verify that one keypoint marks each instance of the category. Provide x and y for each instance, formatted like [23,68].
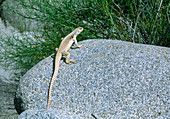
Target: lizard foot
[68,61]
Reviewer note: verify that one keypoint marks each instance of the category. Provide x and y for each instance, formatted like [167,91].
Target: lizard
[65,45]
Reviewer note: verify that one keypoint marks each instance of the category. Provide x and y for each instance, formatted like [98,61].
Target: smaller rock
[47,114]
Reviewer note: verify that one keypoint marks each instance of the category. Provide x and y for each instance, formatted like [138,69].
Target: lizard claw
[80,46]
[71,61]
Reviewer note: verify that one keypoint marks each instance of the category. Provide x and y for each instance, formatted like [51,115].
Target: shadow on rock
[18,105]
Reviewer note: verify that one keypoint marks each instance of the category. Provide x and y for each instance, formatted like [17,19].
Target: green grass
[139,21]
[21,53]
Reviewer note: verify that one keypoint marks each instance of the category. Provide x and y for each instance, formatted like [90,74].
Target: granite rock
[47,114]
[112,79]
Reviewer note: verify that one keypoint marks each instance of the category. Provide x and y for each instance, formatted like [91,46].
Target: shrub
[139,21]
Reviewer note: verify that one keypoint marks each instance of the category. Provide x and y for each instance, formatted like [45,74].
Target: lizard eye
[81,28]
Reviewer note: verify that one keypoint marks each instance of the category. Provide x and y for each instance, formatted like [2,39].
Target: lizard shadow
[53,57]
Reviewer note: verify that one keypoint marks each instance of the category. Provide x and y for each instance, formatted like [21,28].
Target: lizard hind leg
[68,57]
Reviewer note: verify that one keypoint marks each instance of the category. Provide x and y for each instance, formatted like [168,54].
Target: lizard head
[79,30]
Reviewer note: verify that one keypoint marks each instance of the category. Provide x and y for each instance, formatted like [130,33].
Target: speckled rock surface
[47,114]
[113,79]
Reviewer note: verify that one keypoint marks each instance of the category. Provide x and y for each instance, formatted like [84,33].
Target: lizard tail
[49,92]
[57,61]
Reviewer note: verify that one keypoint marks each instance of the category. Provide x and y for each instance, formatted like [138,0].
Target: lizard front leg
[68,57]
[75,40]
